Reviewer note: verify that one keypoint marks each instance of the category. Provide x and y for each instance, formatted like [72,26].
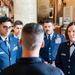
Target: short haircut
[5,19]
[48,21]
[18,22]
[32,35]
[66,32]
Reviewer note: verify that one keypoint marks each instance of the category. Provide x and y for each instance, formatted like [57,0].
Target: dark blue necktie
[72,44]
[8,48]
[48,39]
[7,44]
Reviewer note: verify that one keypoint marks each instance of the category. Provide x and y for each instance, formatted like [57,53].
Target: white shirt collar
[50,35]
[71,43]
[16,36]
[4,38]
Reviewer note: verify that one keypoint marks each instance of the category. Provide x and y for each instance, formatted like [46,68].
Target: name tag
[1,52]
[15,48]
[63,54]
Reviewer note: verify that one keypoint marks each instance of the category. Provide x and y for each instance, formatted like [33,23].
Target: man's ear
[20,42]
[42,46]
[53,27]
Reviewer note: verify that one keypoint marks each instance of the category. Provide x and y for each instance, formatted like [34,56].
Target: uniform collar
[71,43]
[16,36]
[50,35]
[30,60]
[4,38]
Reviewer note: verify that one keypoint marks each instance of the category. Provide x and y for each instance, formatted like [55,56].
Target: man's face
[71,33]
[17,30]
[48,28]
[5,29]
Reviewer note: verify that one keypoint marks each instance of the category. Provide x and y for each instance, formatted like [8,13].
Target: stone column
[25,10]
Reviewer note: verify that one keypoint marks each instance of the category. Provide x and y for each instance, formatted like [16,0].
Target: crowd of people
[35,49]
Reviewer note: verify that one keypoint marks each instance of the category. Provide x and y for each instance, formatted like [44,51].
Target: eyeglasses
[6,27]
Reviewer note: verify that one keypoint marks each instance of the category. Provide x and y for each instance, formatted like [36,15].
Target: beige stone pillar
[25,10]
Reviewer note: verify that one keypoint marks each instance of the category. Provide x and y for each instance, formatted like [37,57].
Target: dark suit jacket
[8,58]
[31,66]
[48,53]
[63,59]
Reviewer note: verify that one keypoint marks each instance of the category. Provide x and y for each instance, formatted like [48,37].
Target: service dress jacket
[49,52]
[63,59]
[8,57]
